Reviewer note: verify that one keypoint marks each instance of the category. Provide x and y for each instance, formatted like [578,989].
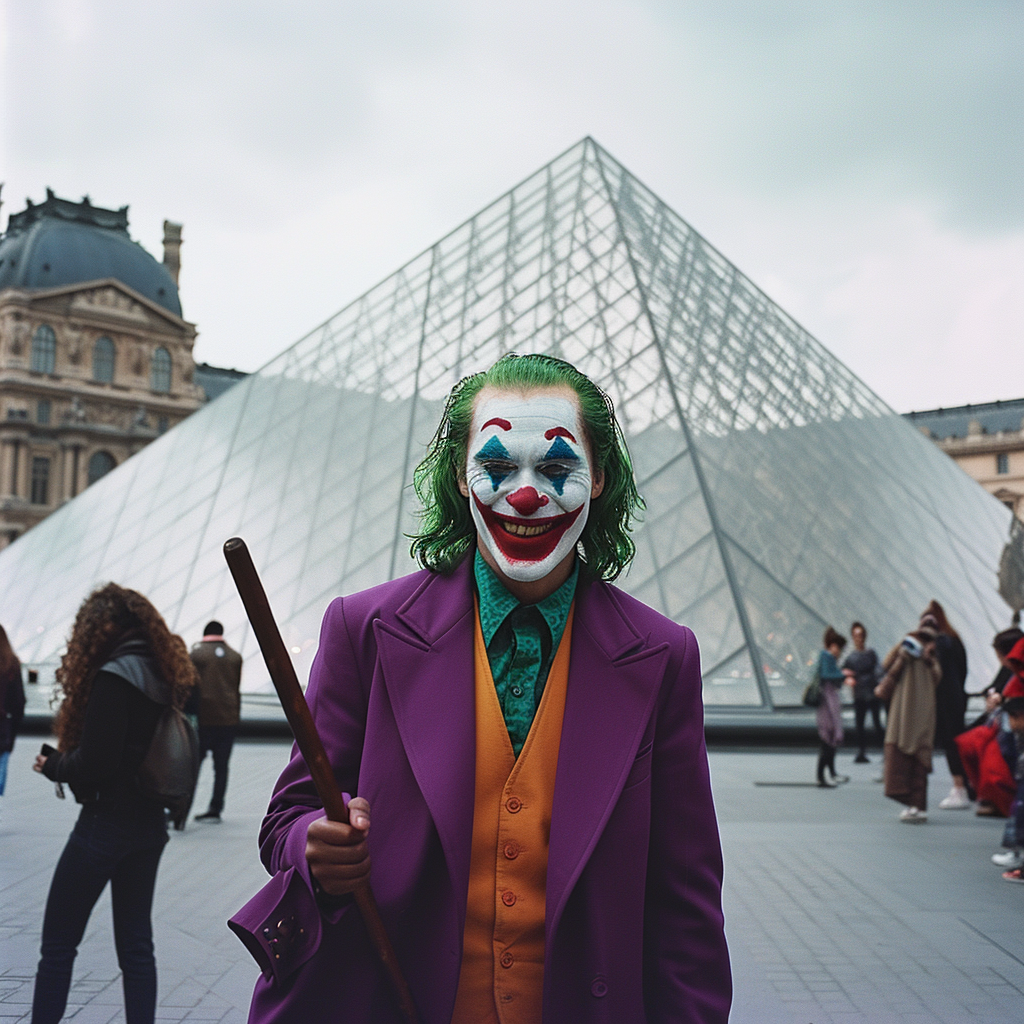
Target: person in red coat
[984,764]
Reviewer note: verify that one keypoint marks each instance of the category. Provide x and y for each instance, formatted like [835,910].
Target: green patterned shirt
[521,641]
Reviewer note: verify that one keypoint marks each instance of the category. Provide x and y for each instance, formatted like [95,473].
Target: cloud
[310,150]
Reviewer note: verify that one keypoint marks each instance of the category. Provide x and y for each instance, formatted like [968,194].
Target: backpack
[170,769]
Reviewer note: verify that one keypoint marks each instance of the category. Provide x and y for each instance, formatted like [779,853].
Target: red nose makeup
[526,500]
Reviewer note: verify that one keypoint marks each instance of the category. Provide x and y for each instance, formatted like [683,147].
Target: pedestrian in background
[12,703]
[950,704]
[863,671]
[988,774]
[829,713]
[219,703]
[912,674]
[1013,834]
[123,666]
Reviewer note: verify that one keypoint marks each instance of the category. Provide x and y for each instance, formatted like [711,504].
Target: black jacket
[120,718]
[12,708]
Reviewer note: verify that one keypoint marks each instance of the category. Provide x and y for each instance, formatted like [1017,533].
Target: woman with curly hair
[122,666]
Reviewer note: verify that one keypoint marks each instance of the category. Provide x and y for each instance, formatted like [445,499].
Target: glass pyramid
[782,493]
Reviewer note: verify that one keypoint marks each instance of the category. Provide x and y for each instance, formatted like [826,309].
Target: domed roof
[59,243]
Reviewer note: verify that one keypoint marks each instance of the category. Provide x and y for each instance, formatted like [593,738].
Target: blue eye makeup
[496,461]
[559,452]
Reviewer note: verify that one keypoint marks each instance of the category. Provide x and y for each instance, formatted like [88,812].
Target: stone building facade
[95,357]
[986,441]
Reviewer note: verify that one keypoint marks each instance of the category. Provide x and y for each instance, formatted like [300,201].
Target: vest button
[507,959]
[513,805]
[598,988]
[508,897]
[517,691]
[511,850]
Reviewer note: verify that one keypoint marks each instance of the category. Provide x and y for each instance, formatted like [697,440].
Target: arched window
[103,360]
[160,375]
[44,349]
[100,464]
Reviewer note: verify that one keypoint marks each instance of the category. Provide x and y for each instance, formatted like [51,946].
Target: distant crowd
[920,688]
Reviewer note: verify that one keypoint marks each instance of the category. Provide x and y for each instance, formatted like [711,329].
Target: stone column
[76,458]
[6,466]
[24,471]
[16,458]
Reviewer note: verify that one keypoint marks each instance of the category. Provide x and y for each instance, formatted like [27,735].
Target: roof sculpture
[58,242]
[782,493]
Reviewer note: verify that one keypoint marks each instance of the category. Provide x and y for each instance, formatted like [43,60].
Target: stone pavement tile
[95,1013]
[21,994]
[836,913]
[187,994]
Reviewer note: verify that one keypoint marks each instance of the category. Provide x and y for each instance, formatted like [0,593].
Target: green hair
[448,530]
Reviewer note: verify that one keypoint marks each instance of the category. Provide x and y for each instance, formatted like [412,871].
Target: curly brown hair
[108,616]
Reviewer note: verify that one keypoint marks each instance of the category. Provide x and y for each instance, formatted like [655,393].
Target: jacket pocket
[641,770]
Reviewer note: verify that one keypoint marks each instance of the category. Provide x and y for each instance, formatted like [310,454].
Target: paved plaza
[835,911]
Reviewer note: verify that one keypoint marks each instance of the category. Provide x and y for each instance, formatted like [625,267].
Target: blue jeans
[105,846]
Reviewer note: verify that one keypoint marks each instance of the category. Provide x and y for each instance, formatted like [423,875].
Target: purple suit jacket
[634,928]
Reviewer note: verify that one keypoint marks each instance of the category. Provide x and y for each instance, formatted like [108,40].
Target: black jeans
[124,849]
[218,739]
[861,706]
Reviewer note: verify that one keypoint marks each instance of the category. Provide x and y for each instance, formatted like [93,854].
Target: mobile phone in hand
[47,751]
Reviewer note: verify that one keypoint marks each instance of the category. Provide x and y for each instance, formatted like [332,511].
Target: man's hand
[337,854]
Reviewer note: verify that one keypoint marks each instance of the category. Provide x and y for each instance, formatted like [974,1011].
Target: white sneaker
[1008,859]
[913,816]
[956,801]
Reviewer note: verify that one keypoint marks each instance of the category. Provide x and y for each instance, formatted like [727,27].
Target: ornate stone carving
[73,336]
[110,300]
[76,411]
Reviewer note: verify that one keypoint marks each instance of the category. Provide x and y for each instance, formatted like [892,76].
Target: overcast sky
[860,161]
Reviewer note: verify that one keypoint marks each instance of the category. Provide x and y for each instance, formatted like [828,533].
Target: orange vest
[502,975]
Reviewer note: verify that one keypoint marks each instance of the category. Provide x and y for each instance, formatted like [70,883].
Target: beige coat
[911,720]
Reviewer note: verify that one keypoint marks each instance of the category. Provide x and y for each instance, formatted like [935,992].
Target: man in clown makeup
[527,741]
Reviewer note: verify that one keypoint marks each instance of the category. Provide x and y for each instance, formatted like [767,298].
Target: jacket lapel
[426,658]
[614,680]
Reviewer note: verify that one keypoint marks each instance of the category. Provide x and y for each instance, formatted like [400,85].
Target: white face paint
[529,479]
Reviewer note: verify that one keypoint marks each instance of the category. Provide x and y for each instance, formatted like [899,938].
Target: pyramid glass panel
[782,494]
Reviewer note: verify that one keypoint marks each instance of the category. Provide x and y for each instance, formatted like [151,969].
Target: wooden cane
[282,673]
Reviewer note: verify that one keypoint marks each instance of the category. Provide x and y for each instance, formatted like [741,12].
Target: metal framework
[782,493]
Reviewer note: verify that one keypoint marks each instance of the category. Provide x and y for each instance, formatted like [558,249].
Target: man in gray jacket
[220,676]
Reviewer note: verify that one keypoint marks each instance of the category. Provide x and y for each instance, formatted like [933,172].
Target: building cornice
[983,444]
[28,296]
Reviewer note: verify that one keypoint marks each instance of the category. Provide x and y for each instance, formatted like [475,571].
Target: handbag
[170,769]
[812,691]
